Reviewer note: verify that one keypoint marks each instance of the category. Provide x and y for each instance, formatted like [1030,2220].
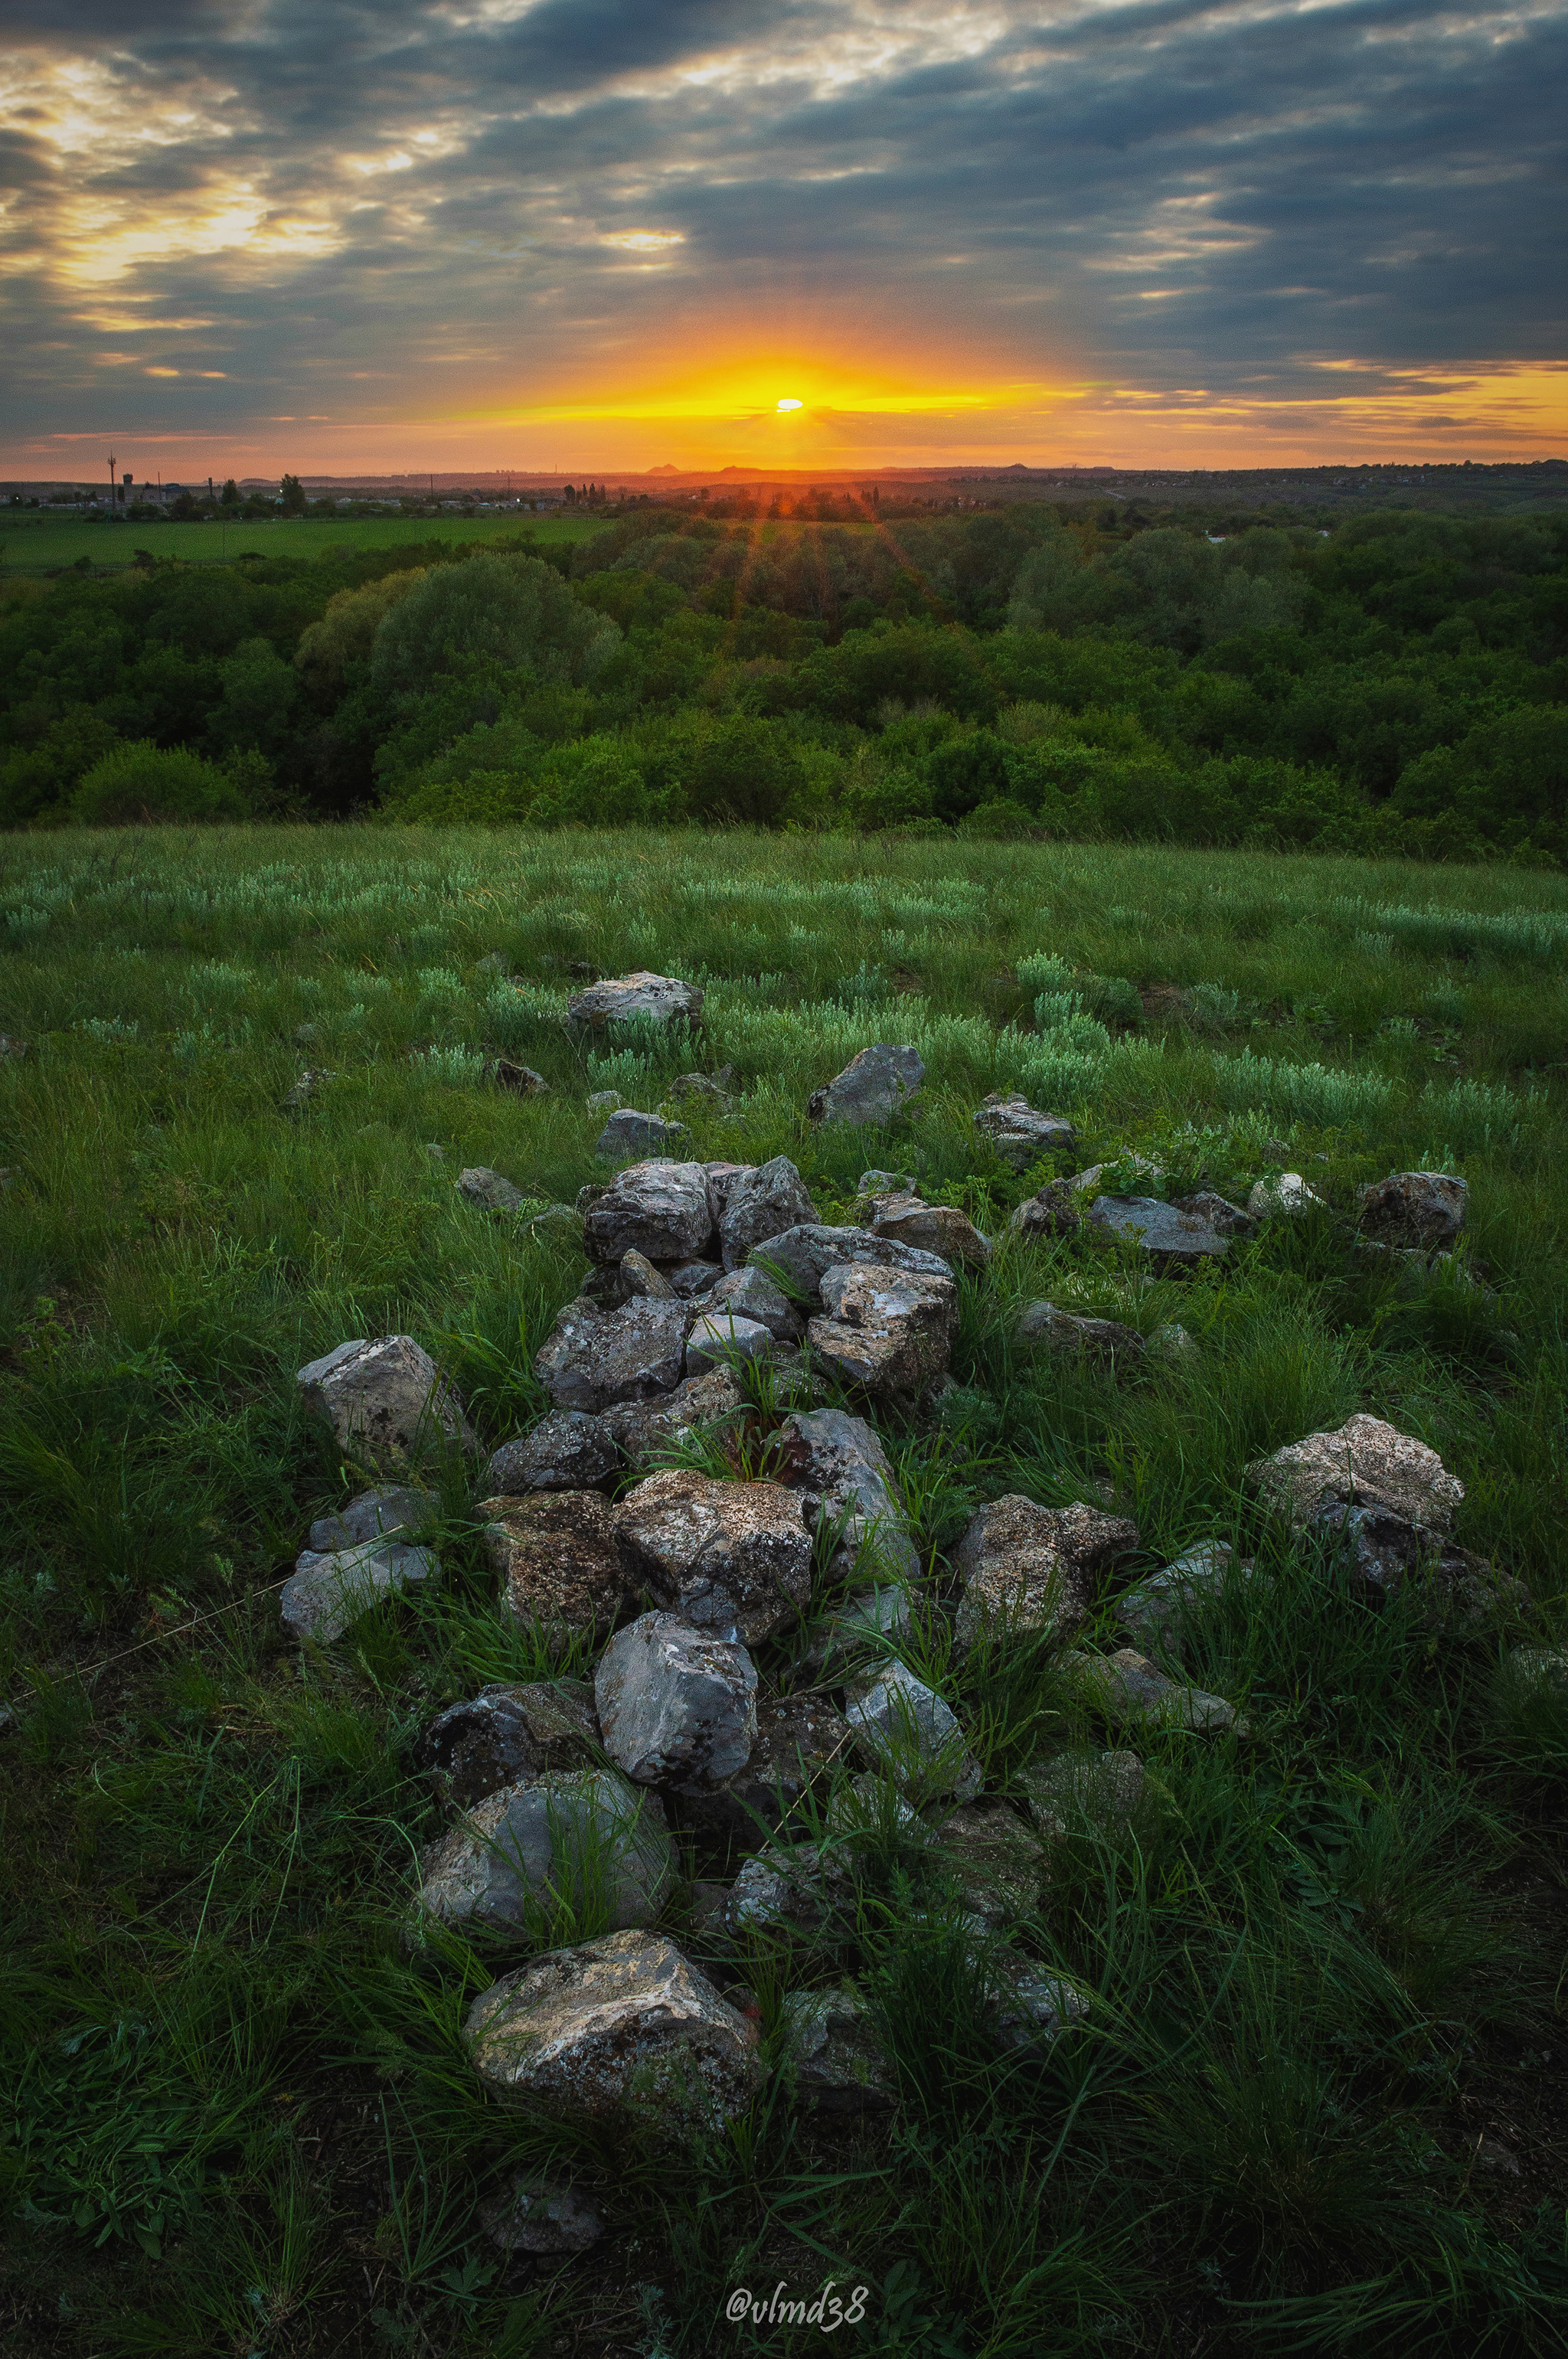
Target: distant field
[37,545]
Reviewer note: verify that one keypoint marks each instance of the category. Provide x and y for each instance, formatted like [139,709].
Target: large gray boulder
[643,1429]
[566,1451]
[676,1703]
[906,1728]
[613,2033]
[374,1515]
[634,998]
[840,1468]
[830,2049]
[938,1229]
[1165,1231]
[583,1839]
[871,1088]
[804,1256]
[1018,1132]
[556,1555]
[1421,1211]
[759,1204]
[628,1132]
[1065,1334]
[886,1332]
[724,1556]
[596,1359]
[798,1737]
[1026,1567]
[327,1595]
[506,1734]
[658,1209]
[751,1294]
[1364,1463]
[385,1401]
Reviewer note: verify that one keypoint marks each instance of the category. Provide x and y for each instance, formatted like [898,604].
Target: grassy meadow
[1319,2102]
[41,544]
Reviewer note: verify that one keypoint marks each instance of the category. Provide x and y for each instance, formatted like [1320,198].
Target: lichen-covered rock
[724,1556]
[994,1859]
[640,1277]
[1127,1687]
[1539,1666]
[658,1209]
[1050,1215]
[595,1359]
[1364,1463]
[1153,1609]
[1424,1211]
[327,1595]
[676,1702]
[629,1132]
[840,1470]
[862,1624]
[722,1339]
[802,1257]
[642,1429]
[797,1738]
[566,1451]
[1107,1789]
[1019,1132]
[872,1087]
[558,1559]
[385,1401]
[581,1839]
[537,2215]
[933,1228]
[1228,1220]
[1288,1195]
[1165,1231]
[618,2031]
[505,1734]
[488,1190]
[1032,2006]
[1026,1567]
[829,2047]
[634,998]
[751,1294]
[906,1728]
[692,1279]
[374,1515]
[889,1332]
[759,1204]
[706,1089]
[1102,1341]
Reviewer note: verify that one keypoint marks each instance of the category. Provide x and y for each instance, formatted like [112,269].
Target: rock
[658,1209]
[311,1084]
[760,1204]
[783,1888]
[1127,1687]
[13,1051]
[327,1595]
[1541,1666]
[721,1340]
[1422,1210]
[874,1185]
[1385,1550]
[864,1621]
[580,1840]
[713,1090]
[751,1294]
[841,1469]
[627,1132]
[801,1257]
[933,1228]
[1364,1463]
[641,1430]
[1139,1167]
[871,1088]
[1026,1567]
[1288,1194]
[1018,1132]
[504,1735]
[596,1360]
[375,1515]
[562,1222]
[557,1557]
[566,1451]
[828,2045]
[1493,2155]
[1153,1608]
[1226,1220]
[906,1728]
[726,1556]
[640,1278]
[1107,1789]
[797,1739]
[691,1278]
[1166,1230]
[1032,2004]
[488,1190]
[1172,1343]
[538,2215]
[1053,1213]
[1102,1341]
[618,2031]
[676,1702]
[887,1331]
[385,1400]
[994,1859]
[521,1080]
[657,999]
[869,1812]
[602,1101]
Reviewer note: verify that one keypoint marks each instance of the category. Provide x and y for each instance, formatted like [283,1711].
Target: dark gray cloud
[1154,223]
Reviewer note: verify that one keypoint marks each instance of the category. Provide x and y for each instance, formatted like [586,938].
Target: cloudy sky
[600,233]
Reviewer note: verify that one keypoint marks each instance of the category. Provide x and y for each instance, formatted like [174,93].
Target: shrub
[142,785]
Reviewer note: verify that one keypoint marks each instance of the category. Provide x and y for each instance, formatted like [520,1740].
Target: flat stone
[375,1515]
[556,1554]
[1364,1463]
[619,2031]
[760,1204]
[839,1466]
[1128,1686]
[643,1429]
[1289,1195]
[1019,1132]
[658,1209]
[691,1278]
[657,999]
[639,1277]
[933,1228]
[889,1332]
[505,1734]
[488,1190]
[726,1556]
[584,1839]
[1102,1341]
[676,1703]
[385,1401]
[1107,1789]
[721,1340]
[545,2216]
[872,1087]
[628,1132]
[1421,1210]
[1163,1230]
[830,2049]
[804,1256]
[596,1360]
[797,1739]
[1050,1214]
[995,1861]
[327,1595]
[751,1294]
[906,1728]
[566,1451]
[1026,1567]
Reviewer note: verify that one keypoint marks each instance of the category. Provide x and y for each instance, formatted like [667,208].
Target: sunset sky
[600,234]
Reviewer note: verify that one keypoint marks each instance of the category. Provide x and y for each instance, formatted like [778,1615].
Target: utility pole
[111,479]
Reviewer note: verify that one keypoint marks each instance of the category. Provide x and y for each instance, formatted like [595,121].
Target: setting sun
[790,404]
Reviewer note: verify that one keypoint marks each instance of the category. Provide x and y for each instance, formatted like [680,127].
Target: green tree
[142,784]
[512,611]
[228,497]
[293,502]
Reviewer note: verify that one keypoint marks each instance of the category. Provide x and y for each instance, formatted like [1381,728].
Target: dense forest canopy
[1399,684]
